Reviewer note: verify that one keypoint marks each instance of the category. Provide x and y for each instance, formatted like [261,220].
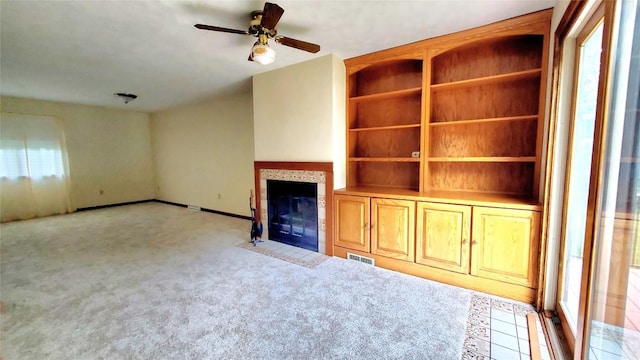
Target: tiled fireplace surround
[319,173]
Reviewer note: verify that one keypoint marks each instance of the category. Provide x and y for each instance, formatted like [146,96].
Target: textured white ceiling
[83,51]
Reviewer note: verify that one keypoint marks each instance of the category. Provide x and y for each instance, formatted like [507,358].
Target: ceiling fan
[263,26]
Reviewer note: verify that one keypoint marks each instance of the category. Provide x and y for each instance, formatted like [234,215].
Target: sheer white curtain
[34,176]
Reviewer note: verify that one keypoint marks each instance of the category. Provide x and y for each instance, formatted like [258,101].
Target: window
[33,178]
[598,76]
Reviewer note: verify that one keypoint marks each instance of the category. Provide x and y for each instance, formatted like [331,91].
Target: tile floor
[288,253]
[496,328]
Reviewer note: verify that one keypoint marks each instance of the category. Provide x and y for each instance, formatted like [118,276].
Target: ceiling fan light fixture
[126,98]
[262,53]
[263,26]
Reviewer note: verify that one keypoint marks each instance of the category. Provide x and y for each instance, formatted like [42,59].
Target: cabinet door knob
[464,241]
[474,242]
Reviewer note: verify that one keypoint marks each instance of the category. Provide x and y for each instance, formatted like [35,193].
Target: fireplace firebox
[293,213]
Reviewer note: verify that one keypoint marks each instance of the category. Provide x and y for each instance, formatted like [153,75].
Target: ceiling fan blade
[298,44]
[221,29]
[271,15]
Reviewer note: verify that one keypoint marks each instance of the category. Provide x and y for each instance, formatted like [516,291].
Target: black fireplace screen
[293,213]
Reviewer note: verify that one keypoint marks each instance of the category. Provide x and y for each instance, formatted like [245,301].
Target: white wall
[299,113]
[108,149]
[204,150]
[339,124]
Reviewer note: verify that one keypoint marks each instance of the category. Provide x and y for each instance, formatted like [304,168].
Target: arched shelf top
[388,76]
[488,58]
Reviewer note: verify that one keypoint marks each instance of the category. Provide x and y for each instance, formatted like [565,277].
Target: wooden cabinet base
[515,292]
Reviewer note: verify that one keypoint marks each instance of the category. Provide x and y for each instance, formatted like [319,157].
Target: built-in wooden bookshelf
[444,140]
[484,120]
[466,116]
[385,122]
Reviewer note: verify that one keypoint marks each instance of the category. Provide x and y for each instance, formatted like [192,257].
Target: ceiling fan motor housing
[256,28]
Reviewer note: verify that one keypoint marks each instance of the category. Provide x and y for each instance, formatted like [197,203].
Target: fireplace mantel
[320,173]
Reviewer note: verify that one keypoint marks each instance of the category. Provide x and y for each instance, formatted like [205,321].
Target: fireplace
[292,213]
[281,218]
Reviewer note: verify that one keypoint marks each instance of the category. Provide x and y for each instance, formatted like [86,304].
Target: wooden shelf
[448,197]
[485,121]
[391,127]
[509,159]
[384,123]
[385,76]
[528,74]
[387,95]
[475,116]
[487,57]
[384,159]
[484,198]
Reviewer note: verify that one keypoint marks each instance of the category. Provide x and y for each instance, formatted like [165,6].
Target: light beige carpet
[154,281]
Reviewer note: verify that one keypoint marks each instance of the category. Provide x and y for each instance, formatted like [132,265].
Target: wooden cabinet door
[442,236]
[505,245]
[352,222]
[393,228]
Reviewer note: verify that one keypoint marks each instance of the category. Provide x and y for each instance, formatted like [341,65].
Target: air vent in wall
[362,259]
